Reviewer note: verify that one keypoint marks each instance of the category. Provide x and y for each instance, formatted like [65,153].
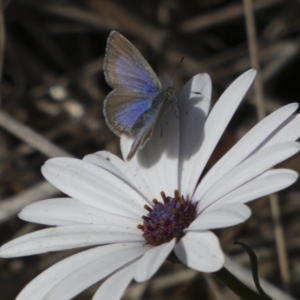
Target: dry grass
[51,105]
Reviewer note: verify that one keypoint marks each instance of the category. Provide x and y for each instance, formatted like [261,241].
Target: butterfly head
[171,91]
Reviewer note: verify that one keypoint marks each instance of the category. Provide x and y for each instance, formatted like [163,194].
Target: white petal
[269,182]
[246,146]
[144,184]
[94,186]
[214,127]
[247,170]
[152,260]
[287,132]
[200,251]
[155,167]
[114,287]
[224,216]
[92,272]
[68,211]
[193,112]
[96,264]
[113,164]
[68,237]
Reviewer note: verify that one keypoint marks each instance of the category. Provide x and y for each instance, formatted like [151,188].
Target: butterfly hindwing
[145,132]
[122,108]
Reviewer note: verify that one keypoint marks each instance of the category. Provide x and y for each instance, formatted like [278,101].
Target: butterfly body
[138,98]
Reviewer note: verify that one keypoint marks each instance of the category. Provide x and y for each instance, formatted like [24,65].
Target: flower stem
[237,286]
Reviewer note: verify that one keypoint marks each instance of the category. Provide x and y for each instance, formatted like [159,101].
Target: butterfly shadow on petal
[194,106]
[192,128]
[166,138]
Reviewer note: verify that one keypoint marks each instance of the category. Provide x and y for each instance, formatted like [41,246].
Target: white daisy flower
[136,213]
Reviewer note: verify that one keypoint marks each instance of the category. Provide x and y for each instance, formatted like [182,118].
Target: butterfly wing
[134,82]
[125,66]
[123,107]
[144,126]
[144,134]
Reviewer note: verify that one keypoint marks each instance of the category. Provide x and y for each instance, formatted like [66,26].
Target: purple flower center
[168,219]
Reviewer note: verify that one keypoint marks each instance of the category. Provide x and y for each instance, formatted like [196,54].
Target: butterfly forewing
[125,66]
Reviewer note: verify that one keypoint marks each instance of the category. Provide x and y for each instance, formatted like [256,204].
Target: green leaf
[254,266]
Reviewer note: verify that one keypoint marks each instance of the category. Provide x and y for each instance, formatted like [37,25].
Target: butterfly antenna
[182,58]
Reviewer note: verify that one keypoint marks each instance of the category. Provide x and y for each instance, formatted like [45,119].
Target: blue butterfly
[138,98]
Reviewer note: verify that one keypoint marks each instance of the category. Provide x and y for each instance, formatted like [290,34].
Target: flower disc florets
[168,219]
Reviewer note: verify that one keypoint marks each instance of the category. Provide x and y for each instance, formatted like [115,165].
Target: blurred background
[52,92]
